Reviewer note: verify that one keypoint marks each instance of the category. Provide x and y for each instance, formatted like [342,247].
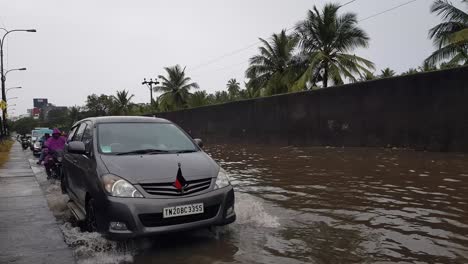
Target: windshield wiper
[185,151]
[143,151]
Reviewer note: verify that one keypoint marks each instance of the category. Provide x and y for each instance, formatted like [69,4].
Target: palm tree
[249,92]
[175,88]
[221,97]
[387,72]
[326,40]
[427,67]
[451,36]
[274,68]
[410,71]
[367,76]
[233,88]
[122,102]
[197,99]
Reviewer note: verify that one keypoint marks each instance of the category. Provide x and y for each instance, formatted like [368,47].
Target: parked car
[137,176]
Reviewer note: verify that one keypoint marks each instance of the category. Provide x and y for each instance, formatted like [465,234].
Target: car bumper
[143,216]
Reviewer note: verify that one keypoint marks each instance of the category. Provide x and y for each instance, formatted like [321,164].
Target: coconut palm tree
[274,68]
[175,88]
[197,99]
[451,36]
[122,102]
[233,87]
[326,40]
[387,72]
[249,92]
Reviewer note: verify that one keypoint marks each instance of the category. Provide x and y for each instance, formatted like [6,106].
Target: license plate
[189,209]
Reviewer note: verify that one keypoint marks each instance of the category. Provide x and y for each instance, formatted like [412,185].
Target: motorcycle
[53,164]
[25,143]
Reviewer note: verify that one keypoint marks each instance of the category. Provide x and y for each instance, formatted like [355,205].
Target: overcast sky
[100,46]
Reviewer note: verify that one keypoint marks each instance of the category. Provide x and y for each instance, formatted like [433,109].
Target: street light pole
[150,84]
[11,88]
[3,75]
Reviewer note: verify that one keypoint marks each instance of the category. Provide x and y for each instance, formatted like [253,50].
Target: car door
[68,158]
[86,163]
[73,170]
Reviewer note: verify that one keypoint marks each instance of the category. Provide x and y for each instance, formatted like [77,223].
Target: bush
[5,147]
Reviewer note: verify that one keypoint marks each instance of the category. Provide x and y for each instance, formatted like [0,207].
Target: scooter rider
[53,144]
[43,140]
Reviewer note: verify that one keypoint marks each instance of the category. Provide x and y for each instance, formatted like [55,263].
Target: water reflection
[356,205]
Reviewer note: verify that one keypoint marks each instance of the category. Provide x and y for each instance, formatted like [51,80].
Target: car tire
[90,220]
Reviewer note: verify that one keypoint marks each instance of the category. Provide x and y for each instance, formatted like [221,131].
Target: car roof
[124,119]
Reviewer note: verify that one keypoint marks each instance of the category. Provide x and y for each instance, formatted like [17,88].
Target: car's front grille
[169,189]
[154,220]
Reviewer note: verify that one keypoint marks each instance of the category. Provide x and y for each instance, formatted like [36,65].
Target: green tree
[275,68]
[427,67]
[221,97]
[24,125]
[99,105]
[387,72]
[175,88]
[198,98]
[122,102]
[74,114]
[451,36]
[58,117]
[410,71]
[326,39]
[249,92]
[233,87]
[367,76]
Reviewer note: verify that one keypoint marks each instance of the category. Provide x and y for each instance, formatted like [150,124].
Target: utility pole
[3,75]
[150,84]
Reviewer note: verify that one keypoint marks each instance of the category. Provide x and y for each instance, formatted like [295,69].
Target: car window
[87,137]
[79,133]
[125,137]
[72,133]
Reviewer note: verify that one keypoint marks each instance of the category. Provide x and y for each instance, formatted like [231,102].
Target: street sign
[3,105]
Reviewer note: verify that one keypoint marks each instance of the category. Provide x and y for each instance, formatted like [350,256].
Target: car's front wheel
[90,221]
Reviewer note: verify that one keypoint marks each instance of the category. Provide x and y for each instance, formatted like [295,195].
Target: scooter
[53,164]
[25,143]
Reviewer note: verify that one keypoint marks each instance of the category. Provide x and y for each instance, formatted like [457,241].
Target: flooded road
[320,205]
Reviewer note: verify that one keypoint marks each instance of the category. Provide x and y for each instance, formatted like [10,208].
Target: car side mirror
[199,142]
[76,147]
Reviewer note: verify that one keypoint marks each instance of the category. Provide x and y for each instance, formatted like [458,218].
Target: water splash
[251,210]
[93,248]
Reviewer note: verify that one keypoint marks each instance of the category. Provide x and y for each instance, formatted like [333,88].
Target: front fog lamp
[222,180]
[118,187]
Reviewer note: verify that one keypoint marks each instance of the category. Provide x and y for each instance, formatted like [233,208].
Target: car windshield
[142,138]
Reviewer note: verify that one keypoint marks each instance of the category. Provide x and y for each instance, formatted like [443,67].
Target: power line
[288,29]
[388,10]
[196,67]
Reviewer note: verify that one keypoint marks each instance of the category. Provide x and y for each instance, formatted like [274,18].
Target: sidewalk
[28,230]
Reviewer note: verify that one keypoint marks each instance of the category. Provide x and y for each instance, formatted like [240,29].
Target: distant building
[36,112]
[40,102]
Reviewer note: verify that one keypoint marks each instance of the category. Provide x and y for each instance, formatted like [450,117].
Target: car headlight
[118,187]
[222,180]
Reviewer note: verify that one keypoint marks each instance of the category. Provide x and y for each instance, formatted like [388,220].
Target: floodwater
[318,205]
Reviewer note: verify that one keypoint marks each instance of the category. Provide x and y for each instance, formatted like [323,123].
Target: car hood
[161,167]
